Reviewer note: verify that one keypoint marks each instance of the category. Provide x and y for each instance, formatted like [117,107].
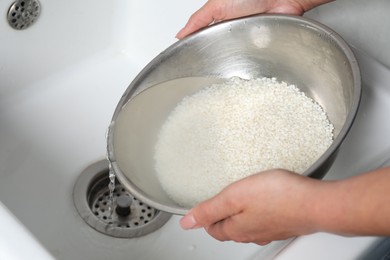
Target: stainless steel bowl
[293,49]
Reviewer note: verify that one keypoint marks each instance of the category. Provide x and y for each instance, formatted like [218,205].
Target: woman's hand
[219,10]
[279,204]
[268,206]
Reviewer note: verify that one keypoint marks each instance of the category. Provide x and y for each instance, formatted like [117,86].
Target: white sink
[60,81]
[16,242]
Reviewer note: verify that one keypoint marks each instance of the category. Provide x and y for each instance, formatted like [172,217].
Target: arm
[278,204]
[218,10]
[358,206]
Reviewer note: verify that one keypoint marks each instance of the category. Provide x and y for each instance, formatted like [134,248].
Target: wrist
[321,212]
[339,208]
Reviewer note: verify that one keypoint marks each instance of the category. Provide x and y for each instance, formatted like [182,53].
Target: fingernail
[178,36]
[188,222]
[178,33]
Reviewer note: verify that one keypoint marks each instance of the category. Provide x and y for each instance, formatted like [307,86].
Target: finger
[227,230]
[220,207]
[189,222]
[263,243]
[201,18]
[219,230]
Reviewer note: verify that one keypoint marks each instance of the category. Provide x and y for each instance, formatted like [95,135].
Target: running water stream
[111,187]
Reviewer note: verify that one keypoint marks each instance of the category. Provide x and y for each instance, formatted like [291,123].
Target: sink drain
[23,13]
[129,216]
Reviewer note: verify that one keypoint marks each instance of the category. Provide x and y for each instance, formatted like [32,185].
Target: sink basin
[14,236]
[60,82]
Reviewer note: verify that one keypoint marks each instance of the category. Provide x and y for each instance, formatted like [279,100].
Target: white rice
[228,131]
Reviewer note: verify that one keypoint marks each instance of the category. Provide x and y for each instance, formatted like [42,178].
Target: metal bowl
[293,49]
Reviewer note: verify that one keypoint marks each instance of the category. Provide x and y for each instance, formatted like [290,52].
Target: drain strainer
[23,13]
[128,217]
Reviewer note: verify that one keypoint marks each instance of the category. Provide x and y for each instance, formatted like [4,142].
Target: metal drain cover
[23,13]
[129,217]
